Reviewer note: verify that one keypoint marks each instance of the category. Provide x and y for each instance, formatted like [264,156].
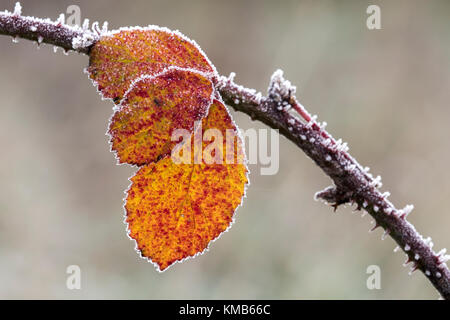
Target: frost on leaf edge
[233,219]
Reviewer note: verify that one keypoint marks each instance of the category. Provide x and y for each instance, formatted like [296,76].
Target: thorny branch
[352,183]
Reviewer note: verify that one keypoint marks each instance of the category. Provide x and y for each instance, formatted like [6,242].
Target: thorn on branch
[334,196]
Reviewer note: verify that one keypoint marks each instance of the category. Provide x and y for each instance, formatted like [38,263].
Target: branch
[279,110]
[46,31]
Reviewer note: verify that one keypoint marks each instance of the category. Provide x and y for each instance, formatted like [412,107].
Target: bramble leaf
[175,210]
[122,56]
[186,192]
[142,127]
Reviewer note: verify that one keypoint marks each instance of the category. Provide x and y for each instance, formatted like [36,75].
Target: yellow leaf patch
[174,211]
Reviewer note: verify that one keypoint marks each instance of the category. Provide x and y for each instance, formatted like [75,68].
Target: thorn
[442,252]
[105,27]
[96,28]
[414,267]
[444,259]
[61,19]
[17,9]
[85,24]
[406,211]
[374,227]
[405,264]
[429,242]
[376,182]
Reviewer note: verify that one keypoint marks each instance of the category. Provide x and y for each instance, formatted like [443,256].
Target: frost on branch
[45,30]
[280,89]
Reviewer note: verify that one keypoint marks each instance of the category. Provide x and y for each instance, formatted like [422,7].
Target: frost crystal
[441,254]
[33,29]
[429,242]
[96,28]
[18,9]
[407,247]
[280,88]
[427,272]
[61,19]
[416,256]
[405,211]
[84,41]
[85,24]
[105,27]
[444,258]
[327,142]
[376,182]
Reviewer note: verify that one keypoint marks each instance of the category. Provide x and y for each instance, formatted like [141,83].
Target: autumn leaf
[174,210]
[120,57]
[142,127]
[185,193]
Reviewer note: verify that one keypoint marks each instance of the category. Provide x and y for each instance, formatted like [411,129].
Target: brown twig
[352,183]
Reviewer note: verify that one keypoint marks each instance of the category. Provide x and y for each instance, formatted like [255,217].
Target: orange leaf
[174,210]
[124,55]
[141,128]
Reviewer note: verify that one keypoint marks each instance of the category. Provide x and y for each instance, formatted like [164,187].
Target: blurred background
[385,92]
